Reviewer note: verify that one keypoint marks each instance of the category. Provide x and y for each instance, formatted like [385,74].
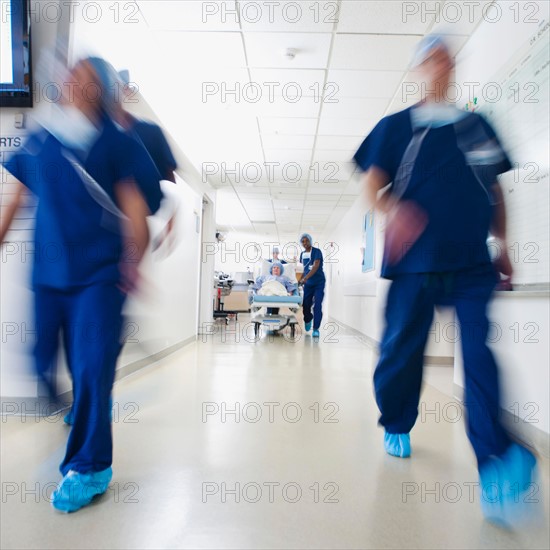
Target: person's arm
[9,212]
[136,233]
[374,180]
[499,230]
[258,283]
[406,221]
[290,286]
[316,265]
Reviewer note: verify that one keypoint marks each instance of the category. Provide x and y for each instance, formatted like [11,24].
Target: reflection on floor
[273,444]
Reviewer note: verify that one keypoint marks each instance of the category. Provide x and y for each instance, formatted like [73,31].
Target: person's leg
[398,374]
[67,343]
[48,318]
[471,294]
[506,469]
[97,318]
[307,303]
[319,295]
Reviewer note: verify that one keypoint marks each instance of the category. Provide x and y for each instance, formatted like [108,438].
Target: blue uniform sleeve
[22,164]
[501,162]
[167,162]
[135,162]
[378,149]
[316,254]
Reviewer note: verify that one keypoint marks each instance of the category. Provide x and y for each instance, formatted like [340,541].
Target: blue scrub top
[152,138]
[458,204]
[77,241]
[319,276]
[155,142]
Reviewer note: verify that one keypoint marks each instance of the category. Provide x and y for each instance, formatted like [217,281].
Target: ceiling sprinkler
[290,53]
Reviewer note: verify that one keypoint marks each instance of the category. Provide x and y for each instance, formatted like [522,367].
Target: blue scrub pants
[398,375]
[91,319]
[313,298]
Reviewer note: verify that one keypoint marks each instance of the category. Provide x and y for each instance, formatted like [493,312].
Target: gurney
[261,306]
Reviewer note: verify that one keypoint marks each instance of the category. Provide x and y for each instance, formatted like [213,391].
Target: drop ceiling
[275,136]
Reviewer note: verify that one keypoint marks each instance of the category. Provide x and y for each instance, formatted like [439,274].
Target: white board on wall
[506,66]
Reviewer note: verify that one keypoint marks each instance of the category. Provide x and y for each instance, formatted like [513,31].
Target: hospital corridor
[274,275]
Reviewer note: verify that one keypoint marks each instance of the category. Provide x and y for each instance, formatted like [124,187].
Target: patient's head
[277,269]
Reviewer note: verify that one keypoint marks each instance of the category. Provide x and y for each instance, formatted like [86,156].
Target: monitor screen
[15,54]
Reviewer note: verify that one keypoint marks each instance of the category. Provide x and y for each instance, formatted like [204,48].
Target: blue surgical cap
[425,46]
[276,264]
[108,81]
[307,236]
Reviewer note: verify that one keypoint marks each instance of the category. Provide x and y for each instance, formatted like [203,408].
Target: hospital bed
[259,305]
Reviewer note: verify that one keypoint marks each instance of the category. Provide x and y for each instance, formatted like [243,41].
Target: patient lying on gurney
[275,284]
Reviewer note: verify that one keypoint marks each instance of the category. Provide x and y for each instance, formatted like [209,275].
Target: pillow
[289,270]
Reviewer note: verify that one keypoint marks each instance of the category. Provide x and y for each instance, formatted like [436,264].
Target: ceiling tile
[373,52]
[388,16]
[353,107]
[287,156]
[287,16]
[188,15]
[375,84]
[268,49]
[289,83]
[209,49]
[332,156]
[461,16]
[338,143]
[346,127]
[288,126]
[273,141]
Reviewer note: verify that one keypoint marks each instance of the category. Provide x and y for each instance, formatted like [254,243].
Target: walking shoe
[315,333]
[307,326]
[77,490]
[397,444]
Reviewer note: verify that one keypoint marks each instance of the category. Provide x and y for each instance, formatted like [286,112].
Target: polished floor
[274,444]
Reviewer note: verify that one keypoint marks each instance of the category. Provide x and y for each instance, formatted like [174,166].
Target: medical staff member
[149,135]
[90,209]
[314,284]
[275,256]
[153,139]
[444,198]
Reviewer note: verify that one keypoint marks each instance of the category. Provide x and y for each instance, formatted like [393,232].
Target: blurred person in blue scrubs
[439,167]
[87,176]
[152,138]
[314,281]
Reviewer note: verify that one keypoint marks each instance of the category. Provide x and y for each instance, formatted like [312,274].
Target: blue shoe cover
[316,333]
[397,444]
[508,493]
[307,326]
[77,490]
[69,418]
